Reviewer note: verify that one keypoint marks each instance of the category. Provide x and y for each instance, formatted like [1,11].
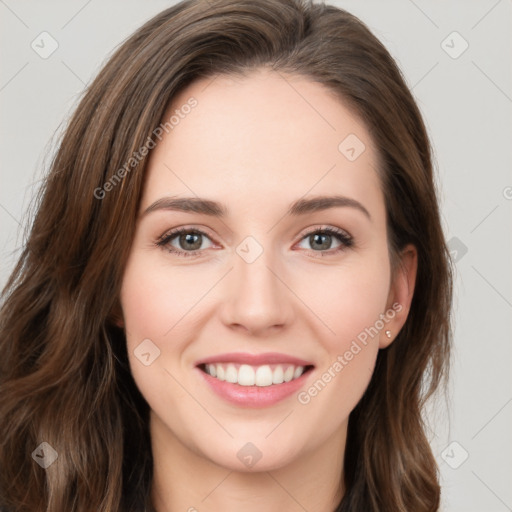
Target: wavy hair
[64,373]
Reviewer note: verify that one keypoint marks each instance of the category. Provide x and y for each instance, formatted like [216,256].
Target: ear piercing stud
[388,334]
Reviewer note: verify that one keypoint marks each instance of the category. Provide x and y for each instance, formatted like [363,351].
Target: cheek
[160,303]
[353,311]
[351,303]
[156,299]
[349,300]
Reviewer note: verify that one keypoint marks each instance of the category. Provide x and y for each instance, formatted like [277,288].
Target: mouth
[254,380]
[255,375]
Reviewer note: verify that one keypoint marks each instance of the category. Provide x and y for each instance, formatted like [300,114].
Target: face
[263,286]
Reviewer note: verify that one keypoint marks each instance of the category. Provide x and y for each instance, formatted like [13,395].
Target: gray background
[466,100]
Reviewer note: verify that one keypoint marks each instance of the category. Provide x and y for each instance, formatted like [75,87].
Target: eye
[189,241]
[321,240]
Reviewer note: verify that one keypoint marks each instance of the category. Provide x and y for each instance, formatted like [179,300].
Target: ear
[400,294]
[116,315]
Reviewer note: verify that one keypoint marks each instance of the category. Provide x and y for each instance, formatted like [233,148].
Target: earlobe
[400,295]
[116,315]
[119,323]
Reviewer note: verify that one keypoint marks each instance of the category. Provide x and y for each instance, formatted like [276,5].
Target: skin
[256,144]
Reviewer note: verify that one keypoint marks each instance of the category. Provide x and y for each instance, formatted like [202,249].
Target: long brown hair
[64,373]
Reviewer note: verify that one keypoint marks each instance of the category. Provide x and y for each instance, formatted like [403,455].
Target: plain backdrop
[456,57]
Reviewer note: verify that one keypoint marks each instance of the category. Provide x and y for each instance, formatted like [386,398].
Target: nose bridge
[257,298]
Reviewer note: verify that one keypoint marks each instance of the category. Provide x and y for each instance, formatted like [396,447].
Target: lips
[254,380]
[254,370]
[268,358]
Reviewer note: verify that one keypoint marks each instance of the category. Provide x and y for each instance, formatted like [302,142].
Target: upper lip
[254,359]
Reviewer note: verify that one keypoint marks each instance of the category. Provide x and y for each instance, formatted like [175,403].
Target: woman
[236,290]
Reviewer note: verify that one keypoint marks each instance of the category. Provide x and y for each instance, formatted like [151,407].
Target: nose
[257,299]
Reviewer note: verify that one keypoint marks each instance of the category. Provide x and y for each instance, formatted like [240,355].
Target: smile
[254,380]
[248,375]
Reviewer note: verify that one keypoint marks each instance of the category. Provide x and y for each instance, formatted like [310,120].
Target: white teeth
[288,374]
[231,373]
[220,372]
[298,372]
[246,375]
[264,376]
[278,375]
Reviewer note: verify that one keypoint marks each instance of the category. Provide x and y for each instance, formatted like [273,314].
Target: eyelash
[164,241]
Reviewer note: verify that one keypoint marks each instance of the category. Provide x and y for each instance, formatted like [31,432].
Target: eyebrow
[215,209]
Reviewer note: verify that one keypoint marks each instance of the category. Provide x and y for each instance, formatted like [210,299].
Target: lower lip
[254,396]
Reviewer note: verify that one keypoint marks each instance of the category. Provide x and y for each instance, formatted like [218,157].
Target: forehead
[265,135]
